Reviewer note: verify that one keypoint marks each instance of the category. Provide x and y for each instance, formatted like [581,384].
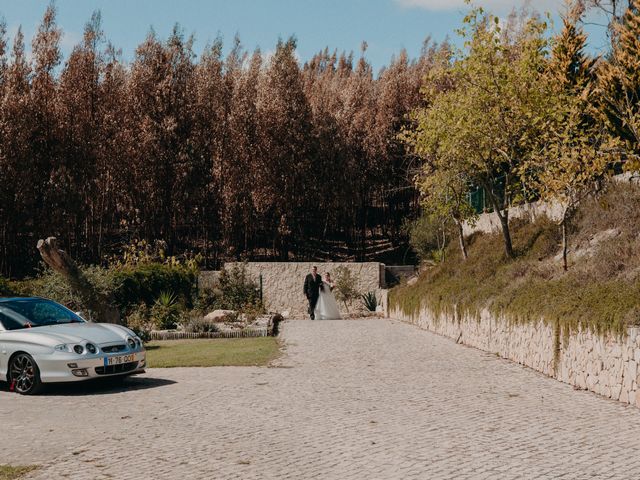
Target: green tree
[619,84]
[443,181]
[571,160]
[478,131]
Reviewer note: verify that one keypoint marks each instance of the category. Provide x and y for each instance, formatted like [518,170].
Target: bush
[6,288]
[53,286]
[194,323]
[429,237]
[166,311]
[145,283]
[370,301]
[237,291]
[345,289]
[208,299]
[129,285]
[139,320]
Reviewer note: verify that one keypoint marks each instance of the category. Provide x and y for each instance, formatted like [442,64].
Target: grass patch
[600,291]
[7,472]
[223,352]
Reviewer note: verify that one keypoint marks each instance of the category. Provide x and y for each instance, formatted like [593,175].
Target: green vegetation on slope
[7,472]
[601,290]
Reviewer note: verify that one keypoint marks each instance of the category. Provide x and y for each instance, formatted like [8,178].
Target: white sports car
[43,342]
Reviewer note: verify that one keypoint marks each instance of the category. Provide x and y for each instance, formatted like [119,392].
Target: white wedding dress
[327,307]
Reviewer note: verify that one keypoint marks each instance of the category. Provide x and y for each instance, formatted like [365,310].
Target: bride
[327,307]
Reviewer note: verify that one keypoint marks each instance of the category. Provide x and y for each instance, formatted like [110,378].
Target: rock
[616,351]
[632,369]
[221,316]
[624,395]
[616,391]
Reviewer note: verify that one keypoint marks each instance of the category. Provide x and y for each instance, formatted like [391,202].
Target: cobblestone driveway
[371,399]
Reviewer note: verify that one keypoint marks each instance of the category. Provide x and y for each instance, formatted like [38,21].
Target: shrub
[139,320]
[429,237]
[166,311]
[6,288]
[345,290]
[52,285]
[145,283]
[237,291]
[194,323]
[370,301]
[208,299]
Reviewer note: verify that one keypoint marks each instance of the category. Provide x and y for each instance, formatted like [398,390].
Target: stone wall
[604,364]
[489,223]
[282,282]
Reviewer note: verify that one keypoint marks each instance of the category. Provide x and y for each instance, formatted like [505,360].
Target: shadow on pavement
[104,386]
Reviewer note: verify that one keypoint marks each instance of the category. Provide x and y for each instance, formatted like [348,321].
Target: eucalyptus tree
[283,192]
[78,101]
[45,178]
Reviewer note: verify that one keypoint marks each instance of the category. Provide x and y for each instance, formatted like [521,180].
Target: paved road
[371,399]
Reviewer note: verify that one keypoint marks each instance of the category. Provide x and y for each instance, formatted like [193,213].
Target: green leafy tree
[619,84]
[572,160]
[479,130]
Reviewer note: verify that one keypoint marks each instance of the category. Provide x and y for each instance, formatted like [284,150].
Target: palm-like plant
[370,301]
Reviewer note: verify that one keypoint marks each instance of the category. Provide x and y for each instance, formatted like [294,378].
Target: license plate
[119,359]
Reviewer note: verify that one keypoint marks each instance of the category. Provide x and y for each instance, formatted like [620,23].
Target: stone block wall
[604,364]
[489,223]
[282,282]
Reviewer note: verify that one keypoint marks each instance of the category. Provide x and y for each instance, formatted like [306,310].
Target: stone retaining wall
[282,282]
[489,223]
[604,364]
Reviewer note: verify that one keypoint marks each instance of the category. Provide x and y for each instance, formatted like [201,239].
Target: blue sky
[386,25]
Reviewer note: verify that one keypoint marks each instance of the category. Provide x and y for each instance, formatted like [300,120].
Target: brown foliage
[236,157]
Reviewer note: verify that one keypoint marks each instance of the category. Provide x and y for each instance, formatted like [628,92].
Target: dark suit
[312,291]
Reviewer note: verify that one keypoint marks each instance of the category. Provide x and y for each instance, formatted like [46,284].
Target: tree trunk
[504,221]
[565,265]
[100,306]
[463,246]
[506,234]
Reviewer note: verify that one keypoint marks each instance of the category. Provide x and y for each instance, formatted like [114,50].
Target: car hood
[98,333]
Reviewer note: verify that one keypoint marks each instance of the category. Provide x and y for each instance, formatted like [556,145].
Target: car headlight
[79,349]
[61,348]
[91,348]
[132,343]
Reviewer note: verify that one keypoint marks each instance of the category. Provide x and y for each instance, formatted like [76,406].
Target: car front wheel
[24,375]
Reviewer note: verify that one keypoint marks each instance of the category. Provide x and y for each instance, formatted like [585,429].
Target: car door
[4,354]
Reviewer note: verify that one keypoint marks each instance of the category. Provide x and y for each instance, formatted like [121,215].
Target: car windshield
[31,313]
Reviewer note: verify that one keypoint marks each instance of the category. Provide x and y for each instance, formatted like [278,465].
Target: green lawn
[221,352]
[8,472]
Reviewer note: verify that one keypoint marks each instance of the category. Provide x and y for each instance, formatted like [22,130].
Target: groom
[312,285]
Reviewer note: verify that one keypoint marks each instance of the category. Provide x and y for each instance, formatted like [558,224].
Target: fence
[244,333]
